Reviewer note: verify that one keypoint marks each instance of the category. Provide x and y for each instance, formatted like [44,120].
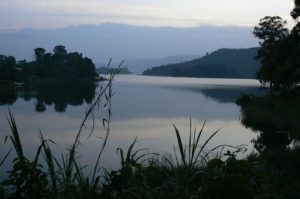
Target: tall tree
[295,34]
[296,11]
[270,31]
[39,54]
[60,51]
[288,62]
[7,68]
[296,14]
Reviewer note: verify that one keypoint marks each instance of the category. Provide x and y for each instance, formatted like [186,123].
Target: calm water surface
[143,107]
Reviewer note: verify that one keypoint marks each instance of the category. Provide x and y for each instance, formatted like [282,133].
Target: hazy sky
[17,14]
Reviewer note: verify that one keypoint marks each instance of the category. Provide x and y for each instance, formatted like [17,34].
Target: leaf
[180,145]
[5,157]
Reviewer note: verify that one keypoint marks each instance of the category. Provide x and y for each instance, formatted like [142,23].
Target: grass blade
[5,157]
[190,141]
[15,139]
[206,142]
[180,145]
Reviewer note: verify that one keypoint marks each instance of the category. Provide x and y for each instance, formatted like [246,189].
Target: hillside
[223,63]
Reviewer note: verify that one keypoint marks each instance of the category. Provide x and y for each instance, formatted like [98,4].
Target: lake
[143,106]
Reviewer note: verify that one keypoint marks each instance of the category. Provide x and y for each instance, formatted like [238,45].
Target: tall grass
[162,178]
[65,174]
[14,138]
[188,178]
[193,154]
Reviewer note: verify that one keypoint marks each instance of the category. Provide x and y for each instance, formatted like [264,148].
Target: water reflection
[58,94]
[143,107]
[61,94]
[231,94]
[222,93]
[272,135]
[8,95]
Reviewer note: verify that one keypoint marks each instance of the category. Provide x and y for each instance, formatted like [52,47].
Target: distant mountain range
[139,46]
[223,63]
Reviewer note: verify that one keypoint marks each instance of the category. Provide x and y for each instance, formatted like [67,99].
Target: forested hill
[223,63]
[57,66]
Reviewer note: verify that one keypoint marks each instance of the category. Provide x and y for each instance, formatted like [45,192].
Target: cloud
[58,13]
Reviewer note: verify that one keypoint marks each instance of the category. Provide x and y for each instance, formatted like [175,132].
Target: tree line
[58,65]
[279,52]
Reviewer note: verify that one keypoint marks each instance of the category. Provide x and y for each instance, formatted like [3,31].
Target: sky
[48,14]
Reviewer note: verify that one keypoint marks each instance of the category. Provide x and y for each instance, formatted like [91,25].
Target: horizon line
[12,30]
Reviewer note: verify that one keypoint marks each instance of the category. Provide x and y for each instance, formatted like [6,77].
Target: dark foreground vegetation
[276,120]
[192,170]
[276,116]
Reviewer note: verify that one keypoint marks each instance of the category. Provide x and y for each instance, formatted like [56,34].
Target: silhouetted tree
[270,31]
[2,57]
[39,54]
[60,65]
[60,51]
[7,68]
[296,11]
[288,62]
[296,14]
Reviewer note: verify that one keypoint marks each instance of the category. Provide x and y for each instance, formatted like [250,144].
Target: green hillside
[223,63]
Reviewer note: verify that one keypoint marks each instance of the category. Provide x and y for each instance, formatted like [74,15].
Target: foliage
[39,54]
[278,54]
[296,11]
[187,178]
[282,176]
[7,67]
[64,178]
[270,31]
[26,179]
[233,178]
[119,182]
[192,155]
[59,65]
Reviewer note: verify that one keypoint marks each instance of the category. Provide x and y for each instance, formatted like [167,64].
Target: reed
[63,177]
[191,155]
